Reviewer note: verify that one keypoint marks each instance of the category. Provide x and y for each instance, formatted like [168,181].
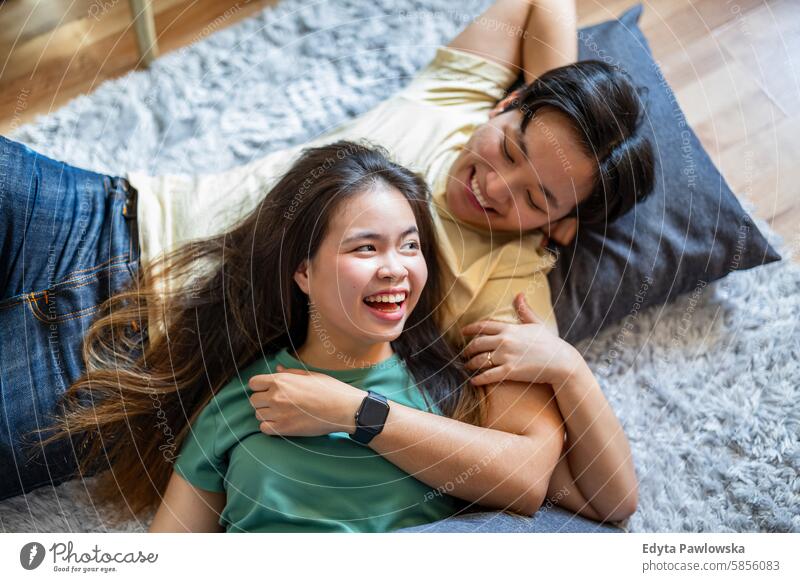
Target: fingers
[260,398]
[479,362]
[261,382]
[544,241]
[268,428]
[490,376]
[526,314]
[482,343]
[564,230]
[485,327]
[283,370]
[263,414]
[503,103]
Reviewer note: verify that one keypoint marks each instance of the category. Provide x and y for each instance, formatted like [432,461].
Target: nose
[499,190]
[391,267]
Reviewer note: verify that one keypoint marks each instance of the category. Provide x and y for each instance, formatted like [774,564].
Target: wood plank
[670,28]
[767,42]
[697,59]
[725,105]
[764,170]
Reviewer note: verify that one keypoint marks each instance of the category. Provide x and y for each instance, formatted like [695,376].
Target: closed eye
[531,202]
[505,149]
[510,159]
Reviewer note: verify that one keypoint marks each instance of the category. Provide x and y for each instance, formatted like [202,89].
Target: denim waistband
[121,186]
[117,184]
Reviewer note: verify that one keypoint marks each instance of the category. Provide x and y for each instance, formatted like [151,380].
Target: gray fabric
[549,519]
[691,230]
[706,387]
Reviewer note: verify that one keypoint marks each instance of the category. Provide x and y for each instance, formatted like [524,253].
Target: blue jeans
[67,242]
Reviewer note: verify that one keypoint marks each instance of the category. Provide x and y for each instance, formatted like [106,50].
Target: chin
[390,336]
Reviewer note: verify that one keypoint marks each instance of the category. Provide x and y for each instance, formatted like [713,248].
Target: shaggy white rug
[706,387]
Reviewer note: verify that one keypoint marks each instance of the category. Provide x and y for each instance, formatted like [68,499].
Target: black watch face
[373,413]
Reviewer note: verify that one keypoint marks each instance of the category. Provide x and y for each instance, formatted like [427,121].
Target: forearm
[185,508]
[550,38]
[496,34]
[597,450]
[483,465]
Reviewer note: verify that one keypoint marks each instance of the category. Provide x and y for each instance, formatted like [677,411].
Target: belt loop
[129,209]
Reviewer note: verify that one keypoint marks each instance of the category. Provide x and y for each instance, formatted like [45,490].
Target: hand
[296,402]
[505,102]
[526,352]
[561,231]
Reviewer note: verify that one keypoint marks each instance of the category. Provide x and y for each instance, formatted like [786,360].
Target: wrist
[573,369]
[349,407]
[371,417]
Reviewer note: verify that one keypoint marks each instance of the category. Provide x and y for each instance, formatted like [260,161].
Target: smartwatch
[371,417]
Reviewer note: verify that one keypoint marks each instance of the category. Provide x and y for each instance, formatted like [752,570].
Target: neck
[342,356]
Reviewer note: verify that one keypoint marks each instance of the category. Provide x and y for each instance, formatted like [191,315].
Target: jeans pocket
[82,293]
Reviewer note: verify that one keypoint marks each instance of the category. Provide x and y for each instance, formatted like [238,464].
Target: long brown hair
[196,316]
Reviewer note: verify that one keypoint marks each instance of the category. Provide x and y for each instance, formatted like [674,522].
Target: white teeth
[386,298]
[476,189]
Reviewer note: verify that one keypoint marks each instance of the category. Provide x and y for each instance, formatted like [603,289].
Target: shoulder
[522,257]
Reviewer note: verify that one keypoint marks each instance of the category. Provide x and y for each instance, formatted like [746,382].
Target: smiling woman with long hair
[223,310]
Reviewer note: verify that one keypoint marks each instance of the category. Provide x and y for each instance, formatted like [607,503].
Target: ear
[563,231]
[503,103]
[302,277]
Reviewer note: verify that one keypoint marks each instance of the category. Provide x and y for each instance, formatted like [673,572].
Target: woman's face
[369,271]
[505,180]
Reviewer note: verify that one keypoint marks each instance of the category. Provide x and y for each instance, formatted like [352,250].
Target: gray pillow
[689,232]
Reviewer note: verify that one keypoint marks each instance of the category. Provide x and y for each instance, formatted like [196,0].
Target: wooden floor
[53,50]
[734,66]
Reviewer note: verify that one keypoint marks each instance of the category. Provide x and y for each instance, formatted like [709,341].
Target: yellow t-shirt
[424,127]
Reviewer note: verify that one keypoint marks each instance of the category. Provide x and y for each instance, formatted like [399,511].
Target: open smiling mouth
[475,195]
[387,304]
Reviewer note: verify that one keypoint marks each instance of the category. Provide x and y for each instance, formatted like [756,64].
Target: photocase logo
[31,555]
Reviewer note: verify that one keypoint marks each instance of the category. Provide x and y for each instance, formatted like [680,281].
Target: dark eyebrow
[524,148]
[366,234]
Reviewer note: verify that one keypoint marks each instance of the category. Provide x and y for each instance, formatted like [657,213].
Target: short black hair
[605,109]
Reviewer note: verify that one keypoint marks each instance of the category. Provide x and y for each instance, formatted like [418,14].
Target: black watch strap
[371,417]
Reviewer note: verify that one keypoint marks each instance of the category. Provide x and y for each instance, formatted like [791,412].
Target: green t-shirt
[325,483]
